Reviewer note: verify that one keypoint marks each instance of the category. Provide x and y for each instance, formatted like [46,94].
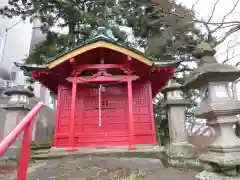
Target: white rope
[99,107]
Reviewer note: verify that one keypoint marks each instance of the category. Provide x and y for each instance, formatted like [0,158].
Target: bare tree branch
[201,21]
[220,25]
[213,10]
[232,57]
[226,26]
[229,58]
[226,15]
[237,64]
[194,4]
[184,69]
[227,52]
[229,47]
[227,34]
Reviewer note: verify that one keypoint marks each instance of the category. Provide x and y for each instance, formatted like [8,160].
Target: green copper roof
[27,68]
[103,34]
[159,64]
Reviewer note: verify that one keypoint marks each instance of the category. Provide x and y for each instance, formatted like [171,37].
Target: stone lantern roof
[172,85]
[204,49]
[18,91]
[209,68]
[173,101]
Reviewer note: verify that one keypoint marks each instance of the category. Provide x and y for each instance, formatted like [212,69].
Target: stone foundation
[226,159]
[223,163]
[193,163]
[141,151]
[183,155]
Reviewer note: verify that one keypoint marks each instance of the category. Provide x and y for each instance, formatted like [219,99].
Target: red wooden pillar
[152,114]
[72,118]
[56,131]
[132,145]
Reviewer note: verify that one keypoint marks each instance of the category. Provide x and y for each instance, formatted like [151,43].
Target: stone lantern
[16,109]
[175,105]
[219,106]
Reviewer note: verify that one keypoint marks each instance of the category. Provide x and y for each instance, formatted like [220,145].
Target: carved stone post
[16,109]
[219,105]
[175,105]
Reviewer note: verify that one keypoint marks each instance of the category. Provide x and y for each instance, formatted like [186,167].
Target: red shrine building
[104,94]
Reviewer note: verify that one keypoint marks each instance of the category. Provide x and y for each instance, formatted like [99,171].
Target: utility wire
[7,29]
[5,40]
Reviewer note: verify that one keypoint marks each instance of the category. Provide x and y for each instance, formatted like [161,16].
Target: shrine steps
[148,161]
[147,151]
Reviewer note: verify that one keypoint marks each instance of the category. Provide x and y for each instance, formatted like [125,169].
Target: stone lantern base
[181,150]
[222,163]
[183,155]
[223,156]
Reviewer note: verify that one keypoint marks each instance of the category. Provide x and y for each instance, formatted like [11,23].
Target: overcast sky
[204,9]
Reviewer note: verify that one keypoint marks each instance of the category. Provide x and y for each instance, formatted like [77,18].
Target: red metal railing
[25,125]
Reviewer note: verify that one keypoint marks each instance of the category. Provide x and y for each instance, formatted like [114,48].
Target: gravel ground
[111,168]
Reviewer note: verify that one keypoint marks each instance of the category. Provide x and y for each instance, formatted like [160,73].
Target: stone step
[141,151]
[156,152]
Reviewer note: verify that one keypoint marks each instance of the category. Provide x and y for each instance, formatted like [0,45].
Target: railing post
[25,152]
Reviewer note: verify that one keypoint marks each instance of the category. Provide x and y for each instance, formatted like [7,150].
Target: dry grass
[119,174]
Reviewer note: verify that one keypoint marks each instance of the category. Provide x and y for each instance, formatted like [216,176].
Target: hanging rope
[99,107]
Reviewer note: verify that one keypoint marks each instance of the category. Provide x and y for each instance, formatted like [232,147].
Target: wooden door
[63,117]
[91,124]
[111,129]
[115,119]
